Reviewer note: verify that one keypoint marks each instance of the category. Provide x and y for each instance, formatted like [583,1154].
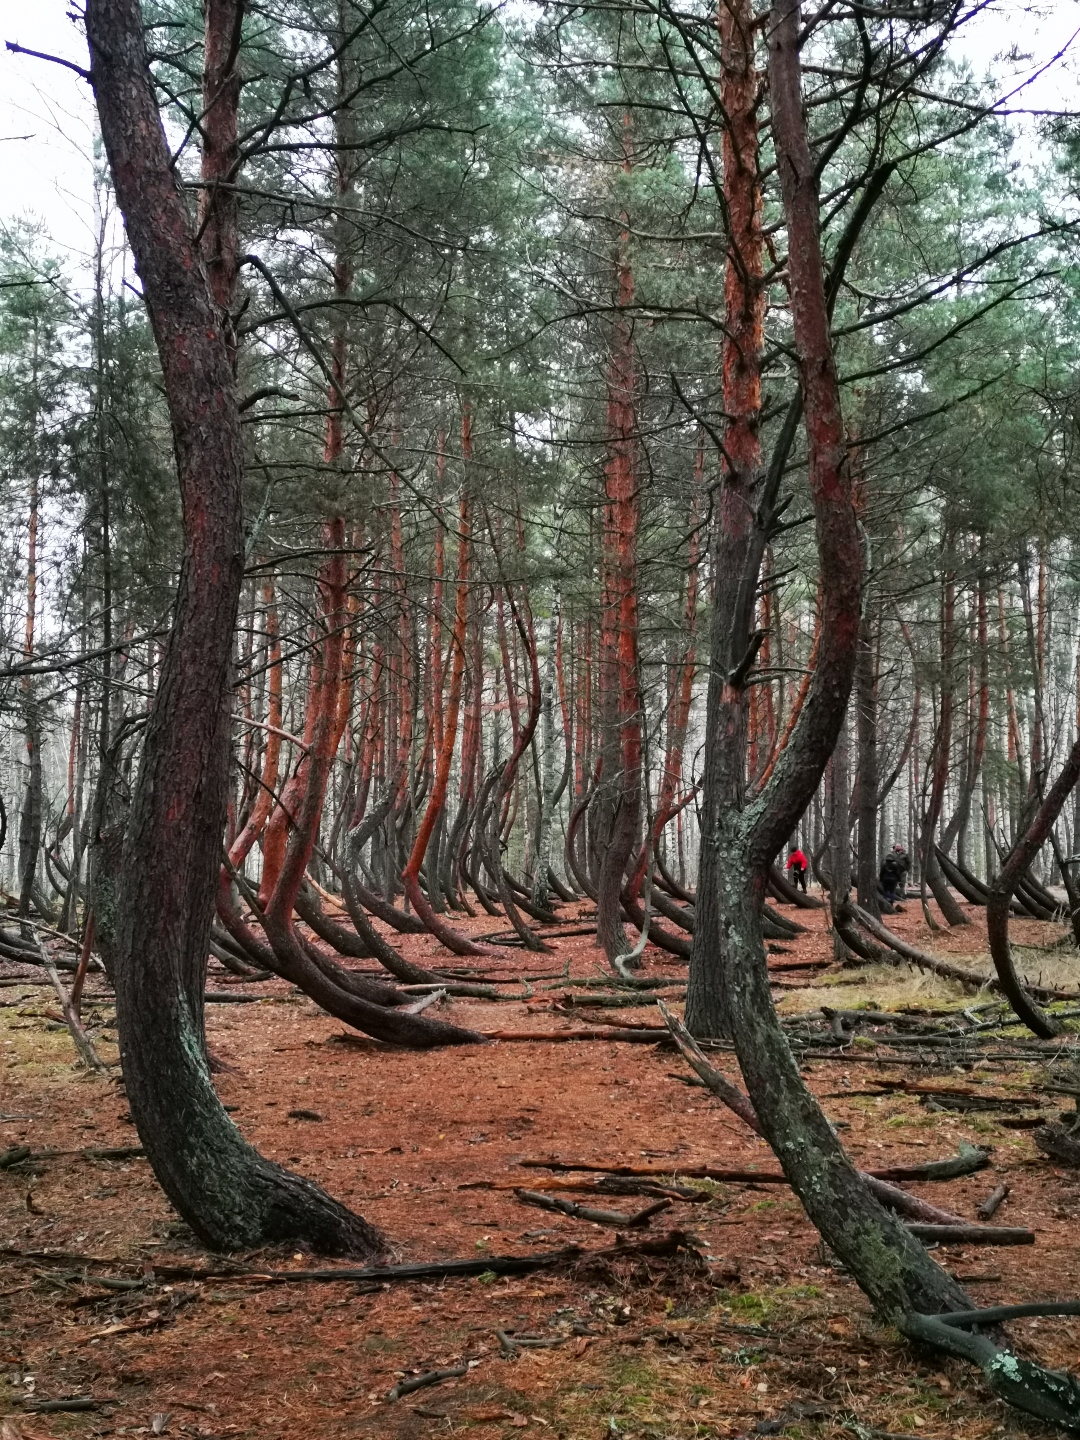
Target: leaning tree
[741,835]
[165,883]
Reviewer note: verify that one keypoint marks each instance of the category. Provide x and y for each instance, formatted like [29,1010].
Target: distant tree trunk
[618,803]
[1002,888]
[680,698]
[226,1191]
[941,755]
[617,810]
[866,727]
[453,938]
[550,783]
[979,726]
[30,816]
[838,824]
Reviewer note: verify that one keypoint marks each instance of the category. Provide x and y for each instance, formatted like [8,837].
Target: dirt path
[758,1336]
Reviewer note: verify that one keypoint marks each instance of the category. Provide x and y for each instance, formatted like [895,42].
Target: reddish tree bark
[618,803]
[450,936]
[739,844]
[226,1191]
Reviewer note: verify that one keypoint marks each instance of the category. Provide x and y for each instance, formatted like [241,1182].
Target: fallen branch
[925,1221]
[621,1036]
[511,1344]
[663,1246]
[1049,1394]
[715,1172]
[604,1185]
[639,999]
[967,1161]
[22,1154]
[421,1382]
[718,1084]
[56,1407]
[987,1208]
[590,1212]
[419,1006]
[83,1044]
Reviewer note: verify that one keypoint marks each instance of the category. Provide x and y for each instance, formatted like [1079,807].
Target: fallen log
[635,1000]
[968,1160]
[988,1207]
[1059,1144]
[972,1234]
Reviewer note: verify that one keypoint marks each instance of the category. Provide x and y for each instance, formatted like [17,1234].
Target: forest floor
[749,1331]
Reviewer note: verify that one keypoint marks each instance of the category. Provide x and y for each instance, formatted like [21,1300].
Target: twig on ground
[421,1382]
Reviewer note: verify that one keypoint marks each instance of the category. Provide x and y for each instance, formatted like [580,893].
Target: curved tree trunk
[1012,871]
[455,940]
[225,1190]
[739,844]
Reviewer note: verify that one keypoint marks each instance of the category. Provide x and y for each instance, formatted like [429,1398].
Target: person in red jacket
[797,866]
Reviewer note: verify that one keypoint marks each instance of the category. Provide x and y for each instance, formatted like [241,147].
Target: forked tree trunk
[739,845]
[226,1191]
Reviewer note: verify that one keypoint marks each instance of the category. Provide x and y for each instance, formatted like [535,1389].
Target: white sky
[48,173]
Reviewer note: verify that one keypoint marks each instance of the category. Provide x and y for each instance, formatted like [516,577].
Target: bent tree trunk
[1013,869]
[740,843]
[902,1281]
[223,1188]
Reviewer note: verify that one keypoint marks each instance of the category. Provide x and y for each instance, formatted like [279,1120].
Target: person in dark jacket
[893,874]
[797,866]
